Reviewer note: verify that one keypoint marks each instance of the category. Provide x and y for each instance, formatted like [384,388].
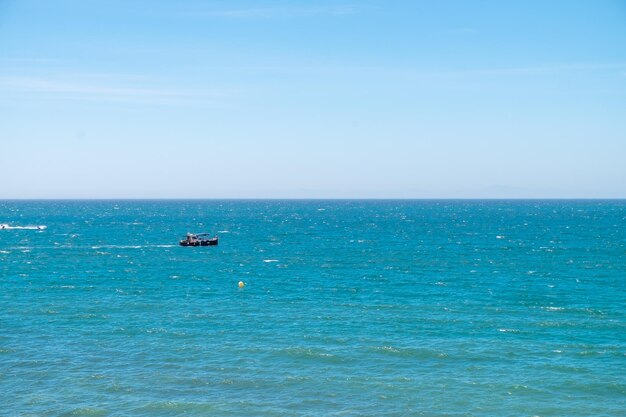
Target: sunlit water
[350,308]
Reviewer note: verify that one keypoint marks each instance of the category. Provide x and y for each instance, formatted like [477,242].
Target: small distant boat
[199,239]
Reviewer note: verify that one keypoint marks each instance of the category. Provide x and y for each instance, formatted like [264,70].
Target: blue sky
[312,99]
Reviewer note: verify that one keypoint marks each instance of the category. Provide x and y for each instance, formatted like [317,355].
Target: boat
[198,239]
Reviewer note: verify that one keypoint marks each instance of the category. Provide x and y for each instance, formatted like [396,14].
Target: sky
[312,99]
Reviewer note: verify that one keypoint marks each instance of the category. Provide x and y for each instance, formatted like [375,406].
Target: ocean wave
[585,311]
[179,408]
[88,411]
[117,247]
[515,331]
[420,353]
[307,353]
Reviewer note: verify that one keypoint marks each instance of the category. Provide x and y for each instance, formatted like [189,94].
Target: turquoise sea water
[351,308]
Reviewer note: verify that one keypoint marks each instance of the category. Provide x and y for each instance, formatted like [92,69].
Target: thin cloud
[547,69]
[538,70]
[89,91]
[20,60]
[273,12]
[425,73]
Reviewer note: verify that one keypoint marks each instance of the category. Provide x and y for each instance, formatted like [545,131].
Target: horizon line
[316,199]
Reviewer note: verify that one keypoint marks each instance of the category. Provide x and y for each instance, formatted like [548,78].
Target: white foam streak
[5,226]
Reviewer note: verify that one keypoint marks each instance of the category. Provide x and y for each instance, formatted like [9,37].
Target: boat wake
[4,226]
[130,246]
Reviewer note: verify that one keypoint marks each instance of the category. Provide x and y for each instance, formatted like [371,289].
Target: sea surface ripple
[350,308]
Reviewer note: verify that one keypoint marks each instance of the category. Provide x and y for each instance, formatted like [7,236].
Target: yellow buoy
[241,284]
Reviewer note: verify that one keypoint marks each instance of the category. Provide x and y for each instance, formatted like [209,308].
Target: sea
[347,308]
